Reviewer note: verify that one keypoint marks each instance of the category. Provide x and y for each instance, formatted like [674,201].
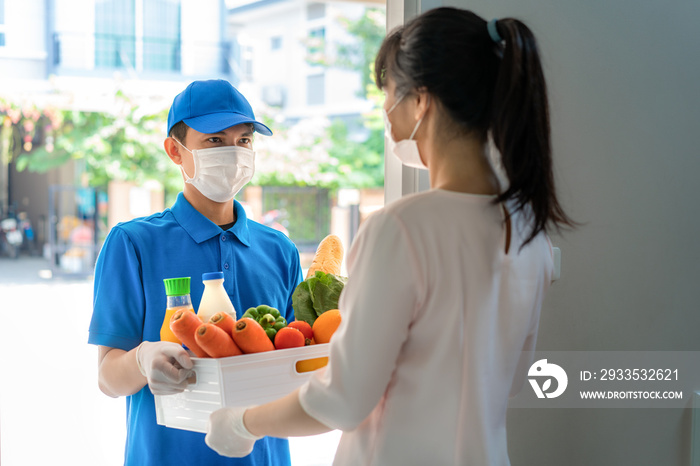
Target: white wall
[624,83]
[201,37]
[24,53]
[275,67]
[75,21]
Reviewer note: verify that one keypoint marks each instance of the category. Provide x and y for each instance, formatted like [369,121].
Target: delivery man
[210,137]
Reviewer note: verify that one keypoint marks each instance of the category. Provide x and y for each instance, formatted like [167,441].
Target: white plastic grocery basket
[244,380]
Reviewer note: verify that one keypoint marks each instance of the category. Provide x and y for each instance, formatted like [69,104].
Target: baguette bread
[328,257]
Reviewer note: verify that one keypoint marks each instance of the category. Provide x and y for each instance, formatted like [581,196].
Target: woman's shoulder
[407,215]
[436,202]
[409,202]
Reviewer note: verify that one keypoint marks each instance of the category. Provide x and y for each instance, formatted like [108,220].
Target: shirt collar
[240,228]
[201,228]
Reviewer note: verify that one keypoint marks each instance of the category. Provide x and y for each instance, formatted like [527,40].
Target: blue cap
[212,106]
[212,276]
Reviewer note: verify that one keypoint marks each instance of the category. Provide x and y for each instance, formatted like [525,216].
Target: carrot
[251,337]
[328,257]
[224,321]
[184,324]
[216,342]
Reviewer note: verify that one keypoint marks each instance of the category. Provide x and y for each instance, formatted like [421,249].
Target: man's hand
[227,434]
[166,366]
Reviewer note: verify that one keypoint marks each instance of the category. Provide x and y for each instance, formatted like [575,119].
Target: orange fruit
[325,325]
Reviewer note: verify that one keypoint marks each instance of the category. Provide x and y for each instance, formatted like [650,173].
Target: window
[276,43]
[247,62]
[115,38]
[154,46]
[316,45]
[315,11]
[316,89]
[274,95]
[2,23]
[161,35]
[317,33]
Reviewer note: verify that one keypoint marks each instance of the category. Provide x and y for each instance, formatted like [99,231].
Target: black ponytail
[521,131]
[486,87]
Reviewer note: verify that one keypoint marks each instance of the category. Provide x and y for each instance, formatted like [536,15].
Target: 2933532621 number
[639,374]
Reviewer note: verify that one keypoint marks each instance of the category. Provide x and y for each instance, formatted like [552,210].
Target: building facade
[289,57]
[78,54]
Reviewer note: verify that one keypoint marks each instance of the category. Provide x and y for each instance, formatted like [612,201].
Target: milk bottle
[214,299]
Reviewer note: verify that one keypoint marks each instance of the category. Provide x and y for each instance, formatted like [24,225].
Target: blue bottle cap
[212,276]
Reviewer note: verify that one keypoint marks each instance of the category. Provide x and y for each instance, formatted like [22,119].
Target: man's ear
[172,150]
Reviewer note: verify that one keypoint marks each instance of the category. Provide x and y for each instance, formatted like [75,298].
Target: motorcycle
[24,225]
[11,237]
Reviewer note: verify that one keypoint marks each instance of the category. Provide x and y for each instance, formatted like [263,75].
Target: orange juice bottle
[178,297]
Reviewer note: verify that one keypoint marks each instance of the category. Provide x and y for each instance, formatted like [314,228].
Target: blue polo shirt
[260,266]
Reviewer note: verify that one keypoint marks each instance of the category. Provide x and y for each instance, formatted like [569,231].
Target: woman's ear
[172,150]
[422,103]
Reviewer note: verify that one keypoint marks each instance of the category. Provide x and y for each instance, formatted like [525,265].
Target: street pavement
[51,410]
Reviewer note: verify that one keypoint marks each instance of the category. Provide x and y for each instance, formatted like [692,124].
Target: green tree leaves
[126,145]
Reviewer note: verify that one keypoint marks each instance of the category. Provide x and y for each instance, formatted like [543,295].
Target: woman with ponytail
[441,308]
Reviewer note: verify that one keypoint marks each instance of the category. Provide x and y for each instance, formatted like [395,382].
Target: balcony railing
[88,52]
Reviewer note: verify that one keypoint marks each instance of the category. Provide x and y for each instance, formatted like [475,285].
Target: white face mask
[220,172]
[406,150]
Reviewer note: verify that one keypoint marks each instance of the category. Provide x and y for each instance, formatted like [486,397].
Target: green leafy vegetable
[316,295]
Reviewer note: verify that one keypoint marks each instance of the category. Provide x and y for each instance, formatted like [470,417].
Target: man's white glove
[166,366]
[227,435]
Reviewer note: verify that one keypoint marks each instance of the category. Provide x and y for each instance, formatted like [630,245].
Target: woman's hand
[227,434]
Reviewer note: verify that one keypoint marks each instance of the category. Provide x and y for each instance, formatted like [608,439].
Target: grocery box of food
[248,379]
